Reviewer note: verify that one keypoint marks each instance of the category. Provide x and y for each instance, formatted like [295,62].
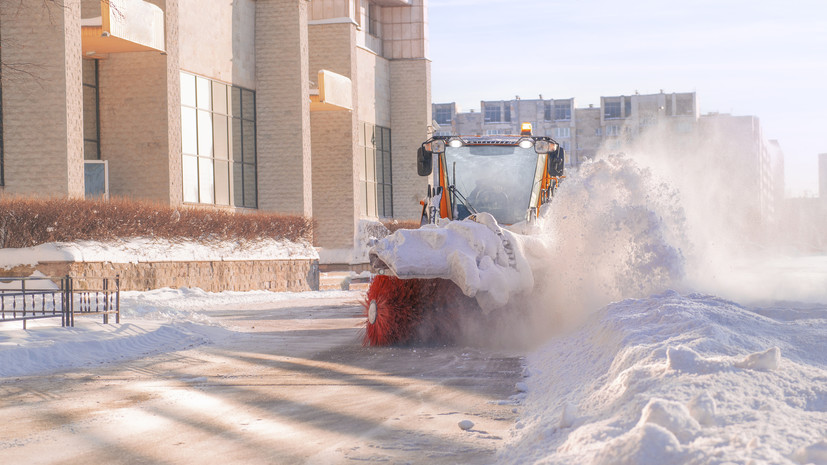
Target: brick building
[290,106]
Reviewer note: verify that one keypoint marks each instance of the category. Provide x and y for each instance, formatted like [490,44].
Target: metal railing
[36,297]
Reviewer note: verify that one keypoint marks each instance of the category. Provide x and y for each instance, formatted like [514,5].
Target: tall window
[507,112]
[547,108]
[376,187]
[627,107]
[91,111]
[492,113]
[218,143]
[442,114]
[562,112]
[243,152]
[373,20]
[611,110]
[684,105]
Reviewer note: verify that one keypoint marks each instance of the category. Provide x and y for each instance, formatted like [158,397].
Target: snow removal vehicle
[472,251]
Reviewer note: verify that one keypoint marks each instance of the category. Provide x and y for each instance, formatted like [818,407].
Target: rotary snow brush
[461,261]
[414,311]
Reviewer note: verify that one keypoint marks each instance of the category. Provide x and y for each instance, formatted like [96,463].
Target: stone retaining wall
[213,276]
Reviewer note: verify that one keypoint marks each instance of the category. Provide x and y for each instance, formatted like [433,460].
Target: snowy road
[278,382]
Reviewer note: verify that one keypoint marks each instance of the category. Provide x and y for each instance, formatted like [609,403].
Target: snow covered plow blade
[468,260]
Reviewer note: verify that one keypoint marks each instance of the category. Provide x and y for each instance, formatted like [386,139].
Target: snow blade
[409,311]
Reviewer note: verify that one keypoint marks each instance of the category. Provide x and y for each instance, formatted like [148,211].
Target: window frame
[566,109]
[96,87]
[211,159]
[441,111]
[609,110]
[684,106]
[494,110]
[376,176]
[374,27]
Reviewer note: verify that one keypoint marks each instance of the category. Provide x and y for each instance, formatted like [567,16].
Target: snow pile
[679,379]
[186,304]
[486,261]
[50,348]
[152,322]
[155,250]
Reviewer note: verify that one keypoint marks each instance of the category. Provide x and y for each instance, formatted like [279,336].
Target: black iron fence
[37,297]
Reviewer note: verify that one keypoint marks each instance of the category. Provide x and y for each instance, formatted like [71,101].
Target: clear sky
[766,58]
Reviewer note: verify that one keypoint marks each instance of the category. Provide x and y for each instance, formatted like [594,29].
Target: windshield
[497,179]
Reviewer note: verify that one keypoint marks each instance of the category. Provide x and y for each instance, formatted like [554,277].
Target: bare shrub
[26,222]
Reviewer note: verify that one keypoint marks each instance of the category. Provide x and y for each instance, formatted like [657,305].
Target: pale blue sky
[759,57]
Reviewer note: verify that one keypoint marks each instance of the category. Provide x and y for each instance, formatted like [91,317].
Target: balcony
[123,26]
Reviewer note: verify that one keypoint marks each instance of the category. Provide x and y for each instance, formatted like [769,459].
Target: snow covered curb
[144,263]
[141,250]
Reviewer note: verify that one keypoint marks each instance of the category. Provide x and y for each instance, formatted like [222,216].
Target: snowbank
[679,379]
[153,322]
[155,250]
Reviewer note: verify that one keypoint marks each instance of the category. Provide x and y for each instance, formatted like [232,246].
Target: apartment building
[290,106]
[730,147]
[804,219]
[581,131]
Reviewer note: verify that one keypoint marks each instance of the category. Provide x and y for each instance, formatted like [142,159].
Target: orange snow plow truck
[465,259]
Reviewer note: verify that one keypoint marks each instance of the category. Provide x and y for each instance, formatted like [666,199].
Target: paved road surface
[289,384]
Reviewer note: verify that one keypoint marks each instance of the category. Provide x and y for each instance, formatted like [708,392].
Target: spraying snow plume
[735,242]
[615,231]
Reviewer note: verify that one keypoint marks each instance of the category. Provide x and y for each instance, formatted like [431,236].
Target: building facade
[289,106]
[581,131]
[723,151]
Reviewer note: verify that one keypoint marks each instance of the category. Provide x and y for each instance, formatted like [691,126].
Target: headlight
[541,146]
[526,143]
[455,143]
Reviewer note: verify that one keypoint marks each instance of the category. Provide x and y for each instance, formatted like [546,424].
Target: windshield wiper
[456,193]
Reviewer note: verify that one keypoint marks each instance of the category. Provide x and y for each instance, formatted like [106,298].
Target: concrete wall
[328,9]
[334,139]
[218,41]
[42,98]
[282,108]
[373,88]
[141,119]
[135,127]
[405,31]
[211,276]
[410,118]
